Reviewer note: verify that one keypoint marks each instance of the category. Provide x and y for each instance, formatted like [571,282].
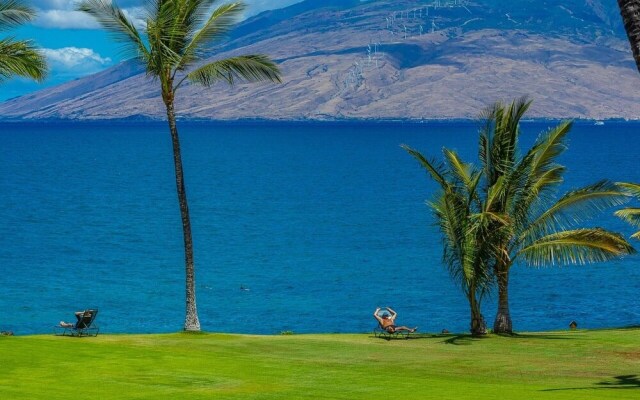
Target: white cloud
[72,4]
[74,61]
[61,14]
[135,15]
[70,19]
[65,19]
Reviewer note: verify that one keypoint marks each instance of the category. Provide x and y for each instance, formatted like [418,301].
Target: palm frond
[631,215]
[578,206]
[14,13]
[436,171]
[495,195]
[21,58]
[516,111]
[214,28]
[543,172]
[452,234]
[116,22]
[460,170]
[472,190]
[164,42]
[458,245]
[499,139]
[484,149]
[491,219]
[544,183]
[631,188]
[170,28]
[580,246]
[465,250]
[252,68]
[537,176]
[549,147]
[199,12]
[505,142]
[534,198]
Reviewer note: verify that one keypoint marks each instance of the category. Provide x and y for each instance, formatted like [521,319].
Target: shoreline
[305,122]
[419,334]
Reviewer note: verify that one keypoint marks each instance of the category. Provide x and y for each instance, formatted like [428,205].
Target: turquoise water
[321,222]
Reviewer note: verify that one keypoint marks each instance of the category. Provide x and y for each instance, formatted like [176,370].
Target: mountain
[386,59]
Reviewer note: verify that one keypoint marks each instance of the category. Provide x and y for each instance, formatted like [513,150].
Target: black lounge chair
[381,332]
[83,327]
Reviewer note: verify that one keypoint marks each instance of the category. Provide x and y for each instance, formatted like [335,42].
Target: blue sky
[74,44]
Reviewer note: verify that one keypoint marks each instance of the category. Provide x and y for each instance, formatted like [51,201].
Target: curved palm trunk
[630,11]
[478,324]
[191,322]
[503,324]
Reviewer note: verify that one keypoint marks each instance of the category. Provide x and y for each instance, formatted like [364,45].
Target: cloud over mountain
[74,61]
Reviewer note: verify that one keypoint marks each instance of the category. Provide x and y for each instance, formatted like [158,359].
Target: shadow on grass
[536,336]
[458,340]
[622,382]
[462,340]
[619,382]
[467,339]
[412,336]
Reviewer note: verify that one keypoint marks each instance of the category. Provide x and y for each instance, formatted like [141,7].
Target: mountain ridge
[409,60]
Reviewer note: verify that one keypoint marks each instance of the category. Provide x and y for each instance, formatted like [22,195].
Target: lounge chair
[381,332]
[83,327]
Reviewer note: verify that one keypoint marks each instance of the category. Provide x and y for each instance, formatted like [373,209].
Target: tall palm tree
[458,212]
[539,230]
[19,57]
[173,47]
[630,12]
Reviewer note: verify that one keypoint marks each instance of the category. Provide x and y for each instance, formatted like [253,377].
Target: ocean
[321,223]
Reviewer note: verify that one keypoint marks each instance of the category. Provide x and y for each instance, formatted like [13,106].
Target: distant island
[389,61]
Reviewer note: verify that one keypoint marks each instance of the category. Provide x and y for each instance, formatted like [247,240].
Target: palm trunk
[191,322]
[630,11]
[503,323]
[478,324]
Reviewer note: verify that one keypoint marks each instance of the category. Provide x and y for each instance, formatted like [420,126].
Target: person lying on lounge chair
[78,314]
[388,321]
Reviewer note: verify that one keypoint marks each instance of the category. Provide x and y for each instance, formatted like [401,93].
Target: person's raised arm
[376,316]
[393,313]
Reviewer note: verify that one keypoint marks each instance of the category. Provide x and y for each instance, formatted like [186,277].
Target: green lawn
[602,364]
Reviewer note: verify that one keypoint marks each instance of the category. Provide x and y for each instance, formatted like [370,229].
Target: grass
[600,364]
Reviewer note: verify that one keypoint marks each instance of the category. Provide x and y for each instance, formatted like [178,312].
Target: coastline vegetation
[504,211]
[598,364]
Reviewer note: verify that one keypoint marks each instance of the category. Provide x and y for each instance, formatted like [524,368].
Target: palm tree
[177,36]
[538,230]
[19,57]
[505,213]
[630,12]
[457,209]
